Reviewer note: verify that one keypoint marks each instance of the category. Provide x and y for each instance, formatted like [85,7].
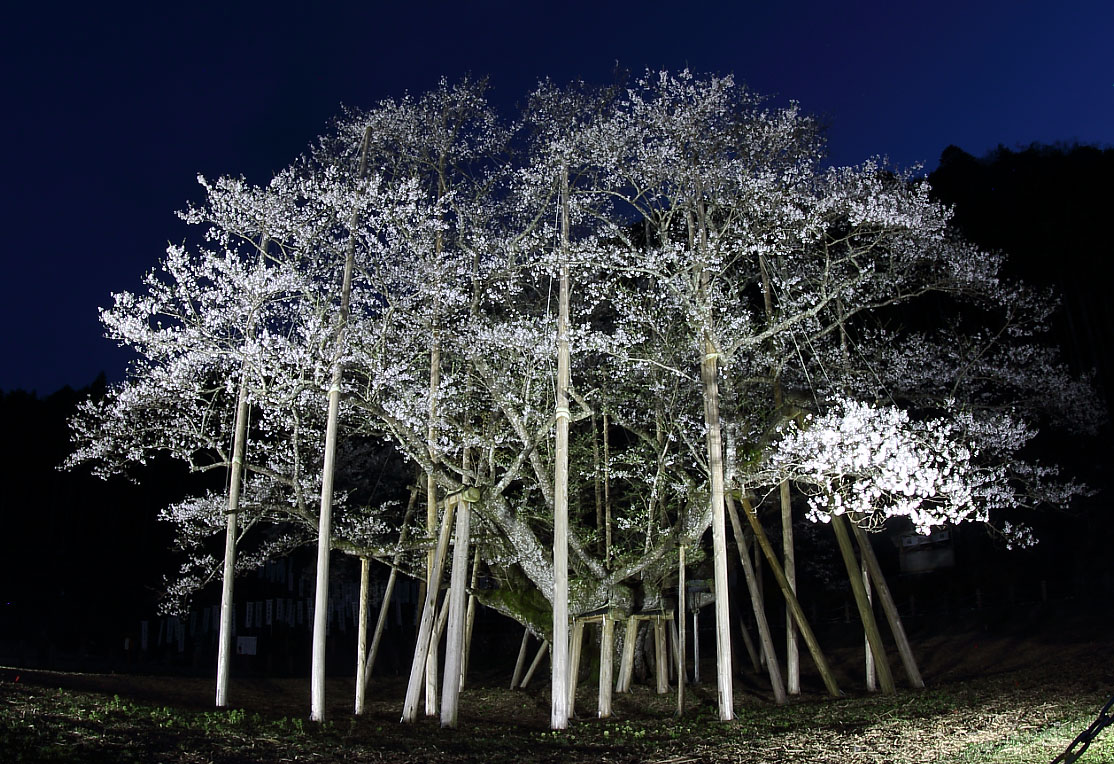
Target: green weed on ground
[1008,719]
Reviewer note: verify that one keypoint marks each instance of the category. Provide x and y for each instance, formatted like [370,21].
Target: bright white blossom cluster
[868,461]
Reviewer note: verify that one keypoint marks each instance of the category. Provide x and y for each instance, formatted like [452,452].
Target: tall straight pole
[454,642]
[361,640]
[559,716]
[426,630]
[709,378]
[681,631]
[227,603]
[325,521]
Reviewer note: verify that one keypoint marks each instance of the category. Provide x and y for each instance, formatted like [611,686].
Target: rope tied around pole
[563,413]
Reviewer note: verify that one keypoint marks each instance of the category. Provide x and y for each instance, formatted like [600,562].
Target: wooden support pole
[792,650]
[227,603]
[757,605]
[559,711]
[680,626]
[380,625]
[871,674]
[696,646]
[454,642]
[626,666]
[575,647]
[674,656]
[520,664]
[470,617]
[661,661]
[790,598]
[748,643]
[388,593]
[866,615]
[426,625]
[607,660]
[328,469]
[889,607]
[431,669]
[542,650]
[361,638]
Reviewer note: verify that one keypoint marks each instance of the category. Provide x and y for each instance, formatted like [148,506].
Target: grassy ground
[1000,701]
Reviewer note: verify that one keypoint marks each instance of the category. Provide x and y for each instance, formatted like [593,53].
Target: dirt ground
[986,684]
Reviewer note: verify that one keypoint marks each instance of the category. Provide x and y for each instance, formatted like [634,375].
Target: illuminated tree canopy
[824,323]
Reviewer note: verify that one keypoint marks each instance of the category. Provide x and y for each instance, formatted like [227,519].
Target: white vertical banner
[259,613]
[278,611]
[249,615]
[270,612]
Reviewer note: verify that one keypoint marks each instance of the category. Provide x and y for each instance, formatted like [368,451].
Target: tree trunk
[325,521]
[559,716]
[799,614]
[758,606]
[889,607]
[870,625]
[227,603]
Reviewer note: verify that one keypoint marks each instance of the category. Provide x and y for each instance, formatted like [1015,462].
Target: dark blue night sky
[112,112]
